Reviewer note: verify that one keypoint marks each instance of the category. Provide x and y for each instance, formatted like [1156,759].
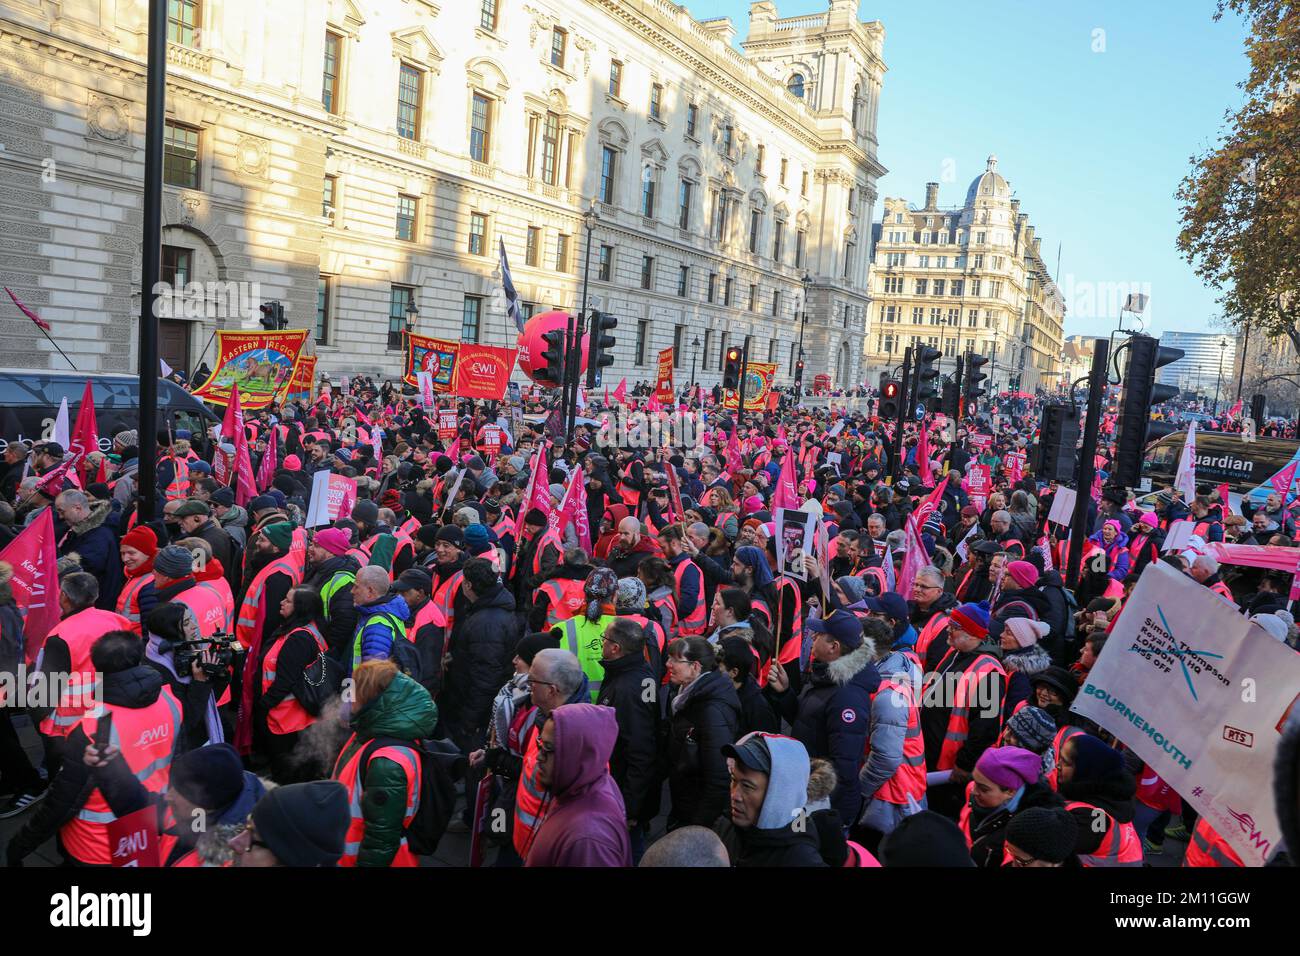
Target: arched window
[795,85]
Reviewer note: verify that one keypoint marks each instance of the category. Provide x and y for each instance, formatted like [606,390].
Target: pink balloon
[532,345]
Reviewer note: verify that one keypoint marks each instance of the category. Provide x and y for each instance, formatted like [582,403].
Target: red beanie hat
[142,539]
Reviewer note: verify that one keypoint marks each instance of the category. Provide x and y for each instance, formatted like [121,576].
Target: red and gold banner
[436,356]
[260,364]
[758,382]
[304,378]
[483,371]
[664,383]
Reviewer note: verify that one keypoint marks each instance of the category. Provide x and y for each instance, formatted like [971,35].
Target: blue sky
[1093,143]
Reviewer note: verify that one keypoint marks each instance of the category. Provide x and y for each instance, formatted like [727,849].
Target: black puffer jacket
[481,647]
[1056,613]
[340,612]
[633,764]
[707,720]
[1113,794]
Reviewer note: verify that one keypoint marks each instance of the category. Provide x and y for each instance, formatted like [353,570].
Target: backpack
[405,654]
[441,765]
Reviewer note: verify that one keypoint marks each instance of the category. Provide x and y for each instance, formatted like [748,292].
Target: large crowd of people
[586,655]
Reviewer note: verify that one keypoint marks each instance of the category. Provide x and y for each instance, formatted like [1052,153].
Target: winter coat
[988,831]
[831,718]
[625,563]
[984,727]
[755,711]
[404,711]
[341,612]
[1021,666]
[1055,612]
[477,661]
[889,713]
[584,822]
[374,633]
[780,836]
[1113,794]
[94,542]
[704,717]
[218,540]
[134,688]
[629,687]
[235,524]
[1116,553]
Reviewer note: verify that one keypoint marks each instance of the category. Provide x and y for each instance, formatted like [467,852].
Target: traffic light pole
[1087,464]
[740,392]
[904,400]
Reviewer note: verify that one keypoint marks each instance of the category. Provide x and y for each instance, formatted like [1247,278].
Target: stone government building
[359,159]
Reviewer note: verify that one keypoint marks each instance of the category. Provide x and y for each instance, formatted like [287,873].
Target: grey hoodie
[787,784]
[235,523]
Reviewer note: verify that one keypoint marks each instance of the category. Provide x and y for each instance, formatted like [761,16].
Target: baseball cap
[414,579]
[842,626]
[752,751]
[891,604]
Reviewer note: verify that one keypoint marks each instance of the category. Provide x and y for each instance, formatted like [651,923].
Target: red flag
[573,510]
[232,427]
[102,474]
[52,484]
[1283,480]
[674,491]
[45,326]
[620,393]
[35,581]
[537,494]
[1233,412]
[787,492]
[270,461]
[607,396]
[85,434]
[1223,499]
[923,455]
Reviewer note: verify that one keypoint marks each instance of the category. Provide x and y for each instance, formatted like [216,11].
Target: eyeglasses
[543,683]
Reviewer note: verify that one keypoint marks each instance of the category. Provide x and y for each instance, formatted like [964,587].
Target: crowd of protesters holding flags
[776,647]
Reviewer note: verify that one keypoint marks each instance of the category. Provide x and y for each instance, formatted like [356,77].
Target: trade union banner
[436,356]
[664,382]
[304,377]
[758,382]
[483,371]
[261,364]
[1202,695]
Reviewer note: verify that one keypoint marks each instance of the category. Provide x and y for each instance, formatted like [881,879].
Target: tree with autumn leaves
[1241,202]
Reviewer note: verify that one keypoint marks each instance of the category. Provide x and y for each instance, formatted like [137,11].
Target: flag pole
[59,350]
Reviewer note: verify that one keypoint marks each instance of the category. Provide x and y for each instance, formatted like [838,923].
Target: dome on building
[989,185]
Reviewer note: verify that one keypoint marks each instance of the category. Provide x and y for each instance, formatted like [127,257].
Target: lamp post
[412,313]
[1223,348]
[695,355]
[1198,383]
[806,281]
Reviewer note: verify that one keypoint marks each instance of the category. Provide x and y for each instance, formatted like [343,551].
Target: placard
[664,382]
[1063,506]
[332,497]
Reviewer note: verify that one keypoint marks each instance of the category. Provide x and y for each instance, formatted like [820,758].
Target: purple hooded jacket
[585,823]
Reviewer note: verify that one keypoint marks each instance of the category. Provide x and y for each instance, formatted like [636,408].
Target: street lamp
[1223,348]
[806,281]
[695,355]
[1198,383]
[412,313]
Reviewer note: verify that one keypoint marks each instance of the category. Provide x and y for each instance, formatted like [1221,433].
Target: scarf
[684,694]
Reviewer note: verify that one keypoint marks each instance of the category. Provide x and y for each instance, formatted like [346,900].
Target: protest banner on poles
[261,365]
[304,378]
[1202,695]
[758,382]
[435,356]
[664,381]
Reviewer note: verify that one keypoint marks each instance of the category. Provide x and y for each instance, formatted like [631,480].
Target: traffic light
[951,403]
[1140,393]
[926,373]
[553,375]
[731,369]
[1055,456]
[1257,410]
[272,316]
[971,390]
[599,352]
[889,396]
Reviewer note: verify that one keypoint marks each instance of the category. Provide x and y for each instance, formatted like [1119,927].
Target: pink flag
[620,393]
[1283,480]
[923,455]
[787,492]
[232,427]
[270,461]
[45,326]
[35,581]
[674,491]
[734,461]
[914,557]
[1233,412]
[652,404]
[52,484]
[1223,499]
[574,510]
[85,434]
[537,494]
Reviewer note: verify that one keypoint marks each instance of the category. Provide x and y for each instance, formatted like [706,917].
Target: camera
[222,645]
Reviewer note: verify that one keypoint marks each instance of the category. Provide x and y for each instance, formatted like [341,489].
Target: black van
[29,403]
[1222,456]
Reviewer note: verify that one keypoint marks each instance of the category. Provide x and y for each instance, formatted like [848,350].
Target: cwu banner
[758,382]
[260,364]
[435,356]
[1202,695]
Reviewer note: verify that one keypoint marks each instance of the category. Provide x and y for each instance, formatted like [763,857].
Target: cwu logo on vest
[153,735]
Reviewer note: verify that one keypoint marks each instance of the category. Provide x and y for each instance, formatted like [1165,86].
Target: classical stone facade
[356,159]
[966,279]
